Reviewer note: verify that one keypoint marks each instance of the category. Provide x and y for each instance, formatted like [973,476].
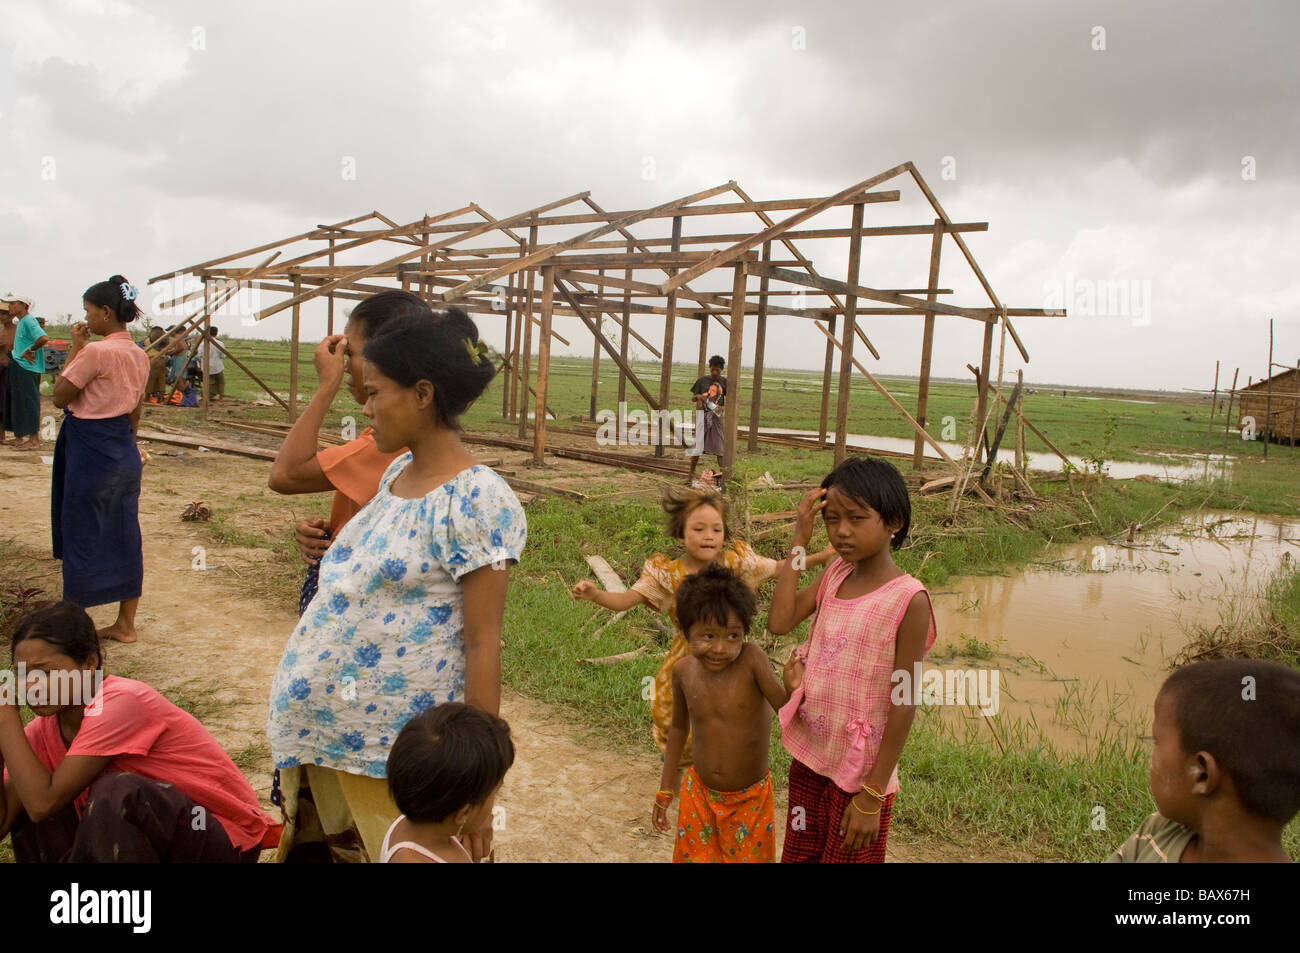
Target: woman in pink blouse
[95,496]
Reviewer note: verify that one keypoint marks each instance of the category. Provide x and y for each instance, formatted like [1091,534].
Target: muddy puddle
[1172,467]
[1081,639]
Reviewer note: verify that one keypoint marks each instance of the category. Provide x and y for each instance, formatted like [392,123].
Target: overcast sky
[1152,144]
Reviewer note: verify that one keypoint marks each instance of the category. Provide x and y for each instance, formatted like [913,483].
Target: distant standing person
[710,396]
[95,495]
[23,376]
[6,343]
[214,366]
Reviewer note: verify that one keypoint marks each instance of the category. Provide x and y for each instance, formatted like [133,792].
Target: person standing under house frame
[710,396]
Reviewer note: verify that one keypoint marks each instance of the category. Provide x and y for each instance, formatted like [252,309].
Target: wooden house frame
[528,267]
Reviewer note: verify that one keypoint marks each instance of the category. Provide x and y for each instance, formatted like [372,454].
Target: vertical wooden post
[505,349]
[704,345]
[1268,392]
[1227,420]
[982,386]
[543,363]
[849,332]
[518,342]
[670,331]
[735,351]
[293,353]
[826,384]
[329,313]
[525,355]
[927,346]
[623,341]
[599,318]
[206,347]
[1021,464]
[760,347]
[426,260]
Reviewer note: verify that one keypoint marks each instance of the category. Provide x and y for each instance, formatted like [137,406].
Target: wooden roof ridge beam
[550,251]
[251,251]
[808,266]
[871,294]
[970,259]
[729,255]
[407,256]
[731,208]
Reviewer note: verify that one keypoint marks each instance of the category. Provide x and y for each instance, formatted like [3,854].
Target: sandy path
[216,636]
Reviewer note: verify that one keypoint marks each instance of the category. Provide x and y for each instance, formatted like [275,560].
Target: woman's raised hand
[330,360]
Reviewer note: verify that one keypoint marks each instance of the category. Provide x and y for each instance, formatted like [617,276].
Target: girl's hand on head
[583,589]
[860,830]
[660,818]
[330,360]
[812,503]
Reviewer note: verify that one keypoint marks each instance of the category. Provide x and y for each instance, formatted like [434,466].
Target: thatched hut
[1276,417]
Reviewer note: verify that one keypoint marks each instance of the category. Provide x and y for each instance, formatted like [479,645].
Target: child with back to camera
[1225,770]
[444,772]
[724,691]
[841,726]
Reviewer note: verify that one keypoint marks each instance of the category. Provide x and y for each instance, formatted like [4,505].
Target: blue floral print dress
[383,639]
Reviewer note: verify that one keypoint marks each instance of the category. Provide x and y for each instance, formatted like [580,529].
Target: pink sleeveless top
[835,720]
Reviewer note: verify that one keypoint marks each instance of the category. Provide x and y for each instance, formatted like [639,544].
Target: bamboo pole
[704,344]
[623,335]
[670,332]
[329,313]
[525,356]
[293,354]
[735,352]
[760,349]
[1021,462]
[826,383]
[927,345]
[1209,432]
[518,342]
[595,363]
[1295,403]
[846,348]
[204,350]
[982,395]
[543,363]
[505,349]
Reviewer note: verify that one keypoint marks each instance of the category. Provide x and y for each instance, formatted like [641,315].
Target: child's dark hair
[443,350]
[112,294]
[679,502]
[879,485]
[1246,713]
[372,314]
[717,361]
[446,757]
[711,595]
[65,626]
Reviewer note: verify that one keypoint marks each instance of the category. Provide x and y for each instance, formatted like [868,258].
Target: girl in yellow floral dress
[697,517]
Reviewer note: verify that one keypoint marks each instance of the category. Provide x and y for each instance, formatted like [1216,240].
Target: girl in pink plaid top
[871,620]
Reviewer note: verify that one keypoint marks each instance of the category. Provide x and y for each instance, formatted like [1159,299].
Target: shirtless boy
[724,694]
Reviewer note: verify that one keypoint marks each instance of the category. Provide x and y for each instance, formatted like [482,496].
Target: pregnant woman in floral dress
[411,598]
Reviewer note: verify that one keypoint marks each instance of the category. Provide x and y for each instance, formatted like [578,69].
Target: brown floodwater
[1081,638]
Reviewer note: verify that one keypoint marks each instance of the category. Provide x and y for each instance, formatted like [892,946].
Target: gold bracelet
[860,810]
[873,792]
